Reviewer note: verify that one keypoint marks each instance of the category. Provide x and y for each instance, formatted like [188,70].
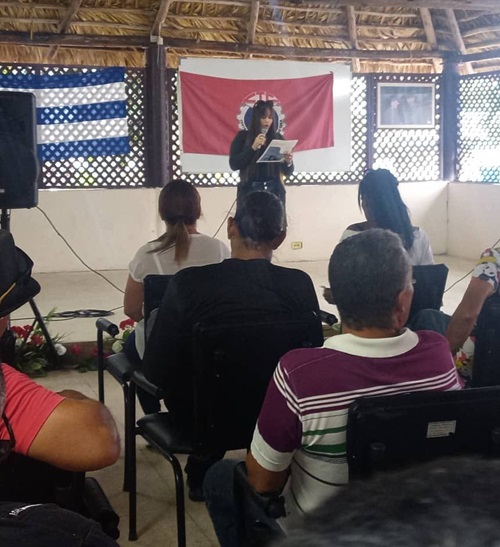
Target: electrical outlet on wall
[296,245]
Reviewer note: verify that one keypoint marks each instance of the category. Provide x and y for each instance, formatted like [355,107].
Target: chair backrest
[430,281]
[233,364]
[155,287]
[486,368]
[396,430]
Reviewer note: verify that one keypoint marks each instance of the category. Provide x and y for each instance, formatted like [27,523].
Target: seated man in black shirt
[246,287]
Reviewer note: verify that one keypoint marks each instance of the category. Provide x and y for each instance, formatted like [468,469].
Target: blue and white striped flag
[78,115]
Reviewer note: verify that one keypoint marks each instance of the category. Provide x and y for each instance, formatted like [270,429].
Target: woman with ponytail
[181,246]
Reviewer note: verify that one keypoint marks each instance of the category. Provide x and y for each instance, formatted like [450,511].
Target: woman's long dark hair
[379,192]
[179,206]
[260,109]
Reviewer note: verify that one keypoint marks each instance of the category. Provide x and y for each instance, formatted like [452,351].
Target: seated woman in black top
[244,288]
[248,146]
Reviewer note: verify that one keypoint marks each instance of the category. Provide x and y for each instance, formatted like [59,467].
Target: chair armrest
[104,325]
[120,367]
[328,318]
[140,380]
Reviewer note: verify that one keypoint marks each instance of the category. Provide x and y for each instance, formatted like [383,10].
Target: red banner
[215,109]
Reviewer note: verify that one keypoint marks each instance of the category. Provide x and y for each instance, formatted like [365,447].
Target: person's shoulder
[145,249]
[187,275]
[242,133]
[291,273]
[358,227]
[419,232]
[434,342]
[304,360]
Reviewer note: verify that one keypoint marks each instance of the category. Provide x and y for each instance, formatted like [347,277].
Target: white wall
[473,218]
[106,227]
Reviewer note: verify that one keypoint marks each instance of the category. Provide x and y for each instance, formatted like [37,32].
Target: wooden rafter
[353,35]
[452,4]
[65,22]
[128,42]
[430,33]
[252,23]
[160,17]
[457,37]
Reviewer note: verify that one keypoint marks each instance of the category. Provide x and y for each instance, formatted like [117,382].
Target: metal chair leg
[179,498]
[100,365]
[132,463]
[126,466]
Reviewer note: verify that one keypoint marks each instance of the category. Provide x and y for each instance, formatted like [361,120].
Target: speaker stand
[5,225]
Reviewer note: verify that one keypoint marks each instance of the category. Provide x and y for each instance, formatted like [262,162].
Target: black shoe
[195,493]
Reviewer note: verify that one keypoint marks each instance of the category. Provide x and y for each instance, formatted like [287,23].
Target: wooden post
[371,120]
[449,121]
[156,117]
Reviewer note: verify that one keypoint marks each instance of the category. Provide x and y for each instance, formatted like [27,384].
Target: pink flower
[126,323]
[37,340]
[18,331]
[75,349]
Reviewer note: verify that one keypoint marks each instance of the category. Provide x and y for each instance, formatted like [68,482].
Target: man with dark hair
[299,444]
[452,501]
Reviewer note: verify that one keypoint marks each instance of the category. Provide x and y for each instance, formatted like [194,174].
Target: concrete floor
[156,499]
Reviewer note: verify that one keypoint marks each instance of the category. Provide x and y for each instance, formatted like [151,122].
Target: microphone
[264,130]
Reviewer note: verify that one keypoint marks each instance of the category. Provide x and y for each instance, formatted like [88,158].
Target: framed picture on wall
[405,106]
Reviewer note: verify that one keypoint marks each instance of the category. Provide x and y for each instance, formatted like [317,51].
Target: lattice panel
[89,169]
[412,154]
[479,128]
[359,140]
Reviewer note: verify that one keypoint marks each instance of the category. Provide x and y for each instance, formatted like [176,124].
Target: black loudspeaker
[19,169]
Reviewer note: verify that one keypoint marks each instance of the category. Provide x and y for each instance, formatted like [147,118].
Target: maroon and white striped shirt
[303,420]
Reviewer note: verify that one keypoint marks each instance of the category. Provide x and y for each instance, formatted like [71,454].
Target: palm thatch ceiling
[374,35]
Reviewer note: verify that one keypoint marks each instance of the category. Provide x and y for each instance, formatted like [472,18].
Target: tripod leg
[43,328]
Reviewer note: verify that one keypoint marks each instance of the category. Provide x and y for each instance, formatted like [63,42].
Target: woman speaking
[248,146]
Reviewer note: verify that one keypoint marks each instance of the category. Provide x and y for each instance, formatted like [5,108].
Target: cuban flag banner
[79,114]
[311,105]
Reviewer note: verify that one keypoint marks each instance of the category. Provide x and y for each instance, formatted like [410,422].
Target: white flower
[19,342]
[117,346]
[60,349]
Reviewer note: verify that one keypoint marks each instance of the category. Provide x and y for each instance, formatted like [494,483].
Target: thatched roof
[375,35]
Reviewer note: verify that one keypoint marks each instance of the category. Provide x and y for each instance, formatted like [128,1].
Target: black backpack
[16,284]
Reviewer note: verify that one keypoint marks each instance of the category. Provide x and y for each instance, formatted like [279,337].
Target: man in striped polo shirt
[299,441]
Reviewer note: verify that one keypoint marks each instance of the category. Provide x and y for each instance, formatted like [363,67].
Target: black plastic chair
[486,367]
[428,289]
[394,431]
[119,365]
[232,366]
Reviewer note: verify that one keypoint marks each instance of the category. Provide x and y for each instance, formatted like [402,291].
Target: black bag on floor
[25,480]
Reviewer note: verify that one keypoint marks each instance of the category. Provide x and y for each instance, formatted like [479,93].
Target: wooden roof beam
[470,5]
[430,33]
[142,42]
[457,37]
[160,17]
[64,24]
[252,23]
[353,35]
